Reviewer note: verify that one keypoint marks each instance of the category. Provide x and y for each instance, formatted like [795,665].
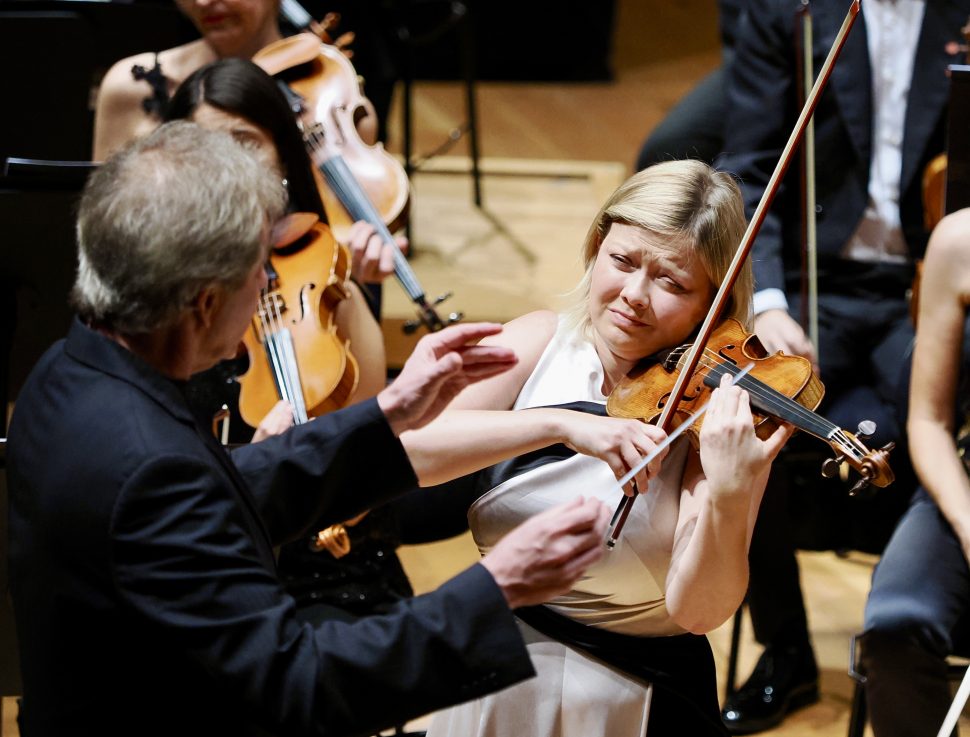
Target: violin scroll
[872,465]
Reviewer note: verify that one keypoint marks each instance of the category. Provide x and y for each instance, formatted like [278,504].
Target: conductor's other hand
[441,365]
[544,556]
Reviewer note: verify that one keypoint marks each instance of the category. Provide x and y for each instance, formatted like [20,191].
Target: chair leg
[857,717]
[732,673]
[859,714]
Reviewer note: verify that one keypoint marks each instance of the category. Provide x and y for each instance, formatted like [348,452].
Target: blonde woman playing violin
[654,256]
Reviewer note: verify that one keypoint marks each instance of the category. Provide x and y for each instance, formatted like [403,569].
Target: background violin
[294,350]
[358,181]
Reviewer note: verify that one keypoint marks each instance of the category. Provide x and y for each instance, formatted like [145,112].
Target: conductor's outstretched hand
[441,365]
[545,555]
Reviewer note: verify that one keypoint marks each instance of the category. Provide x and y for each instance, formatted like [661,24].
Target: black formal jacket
[144,581]
[762,111]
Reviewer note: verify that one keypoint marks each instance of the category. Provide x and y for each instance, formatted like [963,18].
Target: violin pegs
[866,429]
[862,489]
[830,466]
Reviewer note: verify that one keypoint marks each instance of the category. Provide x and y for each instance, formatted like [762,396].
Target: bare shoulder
[528,327]
[528,336]
[119,84]
[119,116]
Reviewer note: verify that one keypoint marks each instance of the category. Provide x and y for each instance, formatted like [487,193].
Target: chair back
[9,655]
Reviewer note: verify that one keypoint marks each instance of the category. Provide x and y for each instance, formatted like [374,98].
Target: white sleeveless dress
[574,694]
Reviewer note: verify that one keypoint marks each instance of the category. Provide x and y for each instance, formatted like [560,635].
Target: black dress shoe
[785,679]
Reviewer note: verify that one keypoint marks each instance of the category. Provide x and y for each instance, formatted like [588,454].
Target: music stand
[38,201]
[958,147]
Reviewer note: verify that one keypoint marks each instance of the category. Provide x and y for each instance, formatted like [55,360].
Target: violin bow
[806,76]
[747,241]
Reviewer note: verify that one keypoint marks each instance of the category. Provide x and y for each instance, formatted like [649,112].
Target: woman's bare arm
[943,299]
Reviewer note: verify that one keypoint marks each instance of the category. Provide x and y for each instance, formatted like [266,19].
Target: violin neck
[359,207]
[772,402]
[295,14]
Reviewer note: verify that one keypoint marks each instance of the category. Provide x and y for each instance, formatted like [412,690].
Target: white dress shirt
[892,34]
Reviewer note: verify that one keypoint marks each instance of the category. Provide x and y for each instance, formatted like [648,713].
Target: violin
[294,350]
[357,181]
[781,388]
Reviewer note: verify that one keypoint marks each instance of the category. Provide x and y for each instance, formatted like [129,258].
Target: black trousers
[865,341]
[915,616]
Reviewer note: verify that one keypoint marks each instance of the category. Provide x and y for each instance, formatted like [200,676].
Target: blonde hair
[684,201]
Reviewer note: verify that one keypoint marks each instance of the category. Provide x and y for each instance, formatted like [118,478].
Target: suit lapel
[930,87]
[254,517]
[850,75]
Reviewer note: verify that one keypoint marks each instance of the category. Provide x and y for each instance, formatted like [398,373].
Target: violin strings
[772,400]
[359,207]
[849,444]
[272,328]
[777,403]
[270,345]
[289,367]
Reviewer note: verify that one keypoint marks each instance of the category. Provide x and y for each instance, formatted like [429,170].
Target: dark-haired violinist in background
[917,610]
[624,646]
[239,98]
[879,122]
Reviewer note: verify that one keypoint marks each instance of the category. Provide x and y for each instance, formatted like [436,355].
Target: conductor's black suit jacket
[144,581]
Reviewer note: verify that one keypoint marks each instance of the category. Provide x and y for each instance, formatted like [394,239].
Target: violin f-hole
[337,124]
[305,304]
[722,352]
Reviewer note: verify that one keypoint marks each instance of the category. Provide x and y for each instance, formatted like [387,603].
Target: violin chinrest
[287,53]
[291,228]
